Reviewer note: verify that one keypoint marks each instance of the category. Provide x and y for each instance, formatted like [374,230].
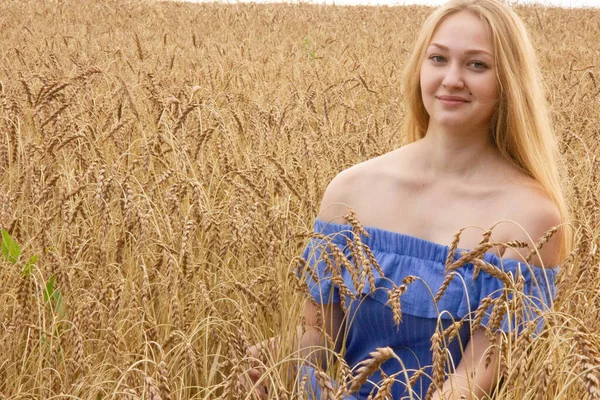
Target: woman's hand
[251,380]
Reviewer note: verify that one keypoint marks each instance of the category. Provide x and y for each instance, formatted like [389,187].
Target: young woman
[481,153]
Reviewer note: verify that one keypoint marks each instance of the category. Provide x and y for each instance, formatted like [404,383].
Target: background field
[165,161]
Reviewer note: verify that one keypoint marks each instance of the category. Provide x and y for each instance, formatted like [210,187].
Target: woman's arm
[309,341]
[538,216]
[328,317]
[471,378]
[314,346]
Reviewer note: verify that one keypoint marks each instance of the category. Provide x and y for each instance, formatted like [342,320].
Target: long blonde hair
[521,128]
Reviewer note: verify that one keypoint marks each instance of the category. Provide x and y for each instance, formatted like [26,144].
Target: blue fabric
[370,321]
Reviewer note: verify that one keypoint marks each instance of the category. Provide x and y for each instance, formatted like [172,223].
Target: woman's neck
[457,154]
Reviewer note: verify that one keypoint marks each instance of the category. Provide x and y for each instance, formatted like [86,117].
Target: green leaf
[57,301]
[49,291]
[10,248]
[54,296]
[28,269]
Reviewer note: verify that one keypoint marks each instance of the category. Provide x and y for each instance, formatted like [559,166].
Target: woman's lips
[452,100]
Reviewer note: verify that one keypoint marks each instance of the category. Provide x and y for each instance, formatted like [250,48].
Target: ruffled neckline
[412,246]
[403,257]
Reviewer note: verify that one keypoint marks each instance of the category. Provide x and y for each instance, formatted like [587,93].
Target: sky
[559,3]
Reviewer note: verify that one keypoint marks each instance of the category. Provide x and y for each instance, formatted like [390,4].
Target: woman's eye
[479,65]
[437,59]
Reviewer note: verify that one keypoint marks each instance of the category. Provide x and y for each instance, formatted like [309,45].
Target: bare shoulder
[534,214]
[350,186]
[336,197]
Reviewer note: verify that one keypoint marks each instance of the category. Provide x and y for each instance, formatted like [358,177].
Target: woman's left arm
[471,378]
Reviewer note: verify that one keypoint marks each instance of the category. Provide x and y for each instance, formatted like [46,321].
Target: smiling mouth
[452,99]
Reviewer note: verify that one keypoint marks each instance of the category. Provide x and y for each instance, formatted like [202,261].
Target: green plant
[11,251]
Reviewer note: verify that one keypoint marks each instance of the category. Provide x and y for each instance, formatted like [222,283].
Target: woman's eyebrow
[470,51]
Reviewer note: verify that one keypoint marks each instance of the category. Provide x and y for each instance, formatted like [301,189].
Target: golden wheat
[164,161]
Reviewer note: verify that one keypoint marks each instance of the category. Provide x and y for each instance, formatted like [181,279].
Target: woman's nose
[453,78]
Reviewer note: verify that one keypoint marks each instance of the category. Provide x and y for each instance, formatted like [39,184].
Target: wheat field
[161,165]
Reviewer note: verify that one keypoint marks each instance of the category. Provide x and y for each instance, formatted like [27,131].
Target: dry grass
[166,160]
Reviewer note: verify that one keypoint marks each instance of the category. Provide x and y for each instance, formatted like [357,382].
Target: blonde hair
[521,128]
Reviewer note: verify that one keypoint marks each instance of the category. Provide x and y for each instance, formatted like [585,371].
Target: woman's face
[458,80]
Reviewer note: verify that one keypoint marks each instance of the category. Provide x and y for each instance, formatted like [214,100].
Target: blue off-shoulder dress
[369,317]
